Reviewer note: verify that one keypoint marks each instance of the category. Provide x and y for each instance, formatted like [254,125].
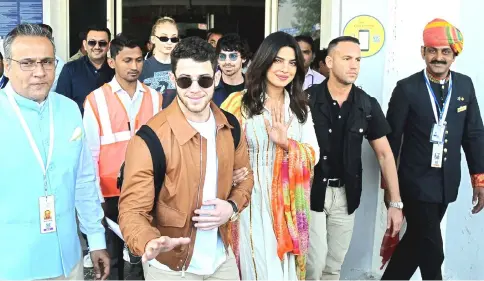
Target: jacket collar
[182,130]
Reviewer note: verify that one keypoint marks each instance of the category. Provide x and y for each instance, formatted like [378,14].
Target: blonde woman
[156,69]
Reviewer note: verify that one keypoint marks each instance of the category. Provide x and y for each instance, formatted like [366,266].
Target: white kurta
[258,245]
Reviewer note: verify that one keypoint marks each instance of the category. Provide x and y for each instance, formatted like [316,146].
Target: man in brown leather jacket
[185,232]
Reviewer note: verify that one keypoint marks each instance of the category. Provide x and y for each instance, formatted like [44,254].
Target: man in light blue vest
[46,170]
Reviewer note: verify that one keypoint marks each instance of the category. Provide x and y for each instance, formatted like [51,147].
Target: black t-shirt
[377,127]
[339,116]
[233,88]
[156,75]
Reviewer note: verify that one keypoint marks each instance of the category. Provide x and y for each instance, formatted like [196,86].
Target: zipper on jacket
[198,198]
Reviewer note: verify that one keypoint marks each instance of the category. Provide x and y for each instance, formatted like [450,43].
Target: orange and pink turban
[439,33]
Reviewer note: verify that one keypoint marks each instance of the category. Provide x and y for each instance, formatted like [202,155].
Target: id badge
[47,214]
[437,133]
[437,154]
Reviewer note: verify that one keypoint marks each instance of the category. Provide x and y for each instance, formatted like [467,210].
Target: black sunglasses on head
[93,43]
[203,81]
[166,39]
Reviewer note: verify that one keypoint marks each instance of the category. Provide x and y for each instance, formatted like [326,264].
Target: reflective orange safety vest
[116,130]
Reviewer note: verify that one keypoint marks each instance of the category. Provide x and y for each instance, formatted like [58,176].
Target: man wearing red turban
[433,113]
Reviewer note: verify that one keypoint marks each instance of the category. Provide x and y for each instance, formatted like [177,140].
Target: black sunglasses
[203,81]
[166,39]
[92,43]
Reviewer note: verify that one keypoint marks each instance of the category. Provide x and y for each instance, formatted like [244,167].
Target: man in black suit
[436,112]
[3,79]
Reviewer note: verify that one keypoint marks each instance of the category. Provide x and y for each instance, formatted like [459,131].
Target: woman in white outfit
[271,238]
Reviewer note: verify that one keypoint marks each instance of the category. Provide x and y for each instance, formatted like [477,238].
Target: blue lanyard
[449,92]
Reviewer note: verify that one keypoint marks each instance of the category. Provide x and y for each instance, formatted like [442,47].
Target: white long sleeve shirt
[91,125]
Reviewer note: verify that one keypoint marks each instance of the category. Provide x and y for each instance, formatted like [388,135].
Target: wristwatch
[235,215]
[397,205]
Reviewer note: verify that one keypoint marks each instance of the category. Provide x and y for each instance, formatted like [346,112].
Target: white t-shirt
[209,250]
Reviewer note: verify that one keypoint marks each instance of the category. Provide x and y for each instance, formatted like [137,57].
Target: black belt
[335,183]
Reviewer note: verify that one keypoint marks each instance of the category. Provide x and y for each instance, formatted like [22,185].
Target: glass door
[299,17]
[248,18]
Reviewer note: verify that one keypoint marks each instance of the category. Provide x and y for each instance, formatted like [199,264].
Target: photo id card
[437,154]
[437,133]
[47,214]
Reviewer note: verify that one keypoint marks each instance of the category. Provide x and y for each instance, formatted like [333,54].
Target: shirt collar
[351,96]
[309,73]
[103,67]
[117,87]
[180,126]
[24,102]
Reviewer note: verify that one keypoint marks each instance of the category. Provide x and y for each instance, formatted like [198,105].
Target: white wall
[56,14]
[465,232]
[400,57]
[359,259]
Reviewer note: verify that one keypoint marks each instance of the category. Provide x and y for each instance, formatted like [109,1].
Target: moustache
[439,62]
[133,72]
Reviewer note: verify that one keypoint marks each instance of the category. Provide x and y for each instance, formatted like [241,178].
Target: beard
[232,70]
[195,107]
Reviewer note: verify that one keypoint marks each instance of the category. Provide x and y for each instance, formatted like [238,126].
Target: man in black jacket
[232,55]
[436,112]
[342,115]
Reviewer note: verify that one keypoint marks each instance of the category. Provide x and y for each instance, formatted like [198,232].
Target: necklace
[438,81]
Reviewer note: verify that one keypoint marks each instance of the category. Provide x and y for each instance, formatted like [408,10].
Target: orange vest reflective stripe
[116,131]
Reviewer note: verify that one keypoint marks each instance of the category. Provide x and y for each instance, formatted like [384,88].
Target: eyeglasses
[232,56]
[30,65]
[203,81]
[93,43]
[166,39]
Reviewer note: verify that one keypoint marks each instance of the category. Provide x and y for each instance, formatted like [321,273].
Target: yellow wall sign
[369,31]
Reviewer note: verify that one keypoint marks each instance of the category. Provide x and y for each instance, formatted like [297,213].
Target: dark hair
[25,29]
[120,42]
[320,56]
[98,28]
[306,39]
[193,48]
[233,43]
[46,27]
[82,35]
[248,55]
[1,57]
[214,31]
[340,39]
[255,79]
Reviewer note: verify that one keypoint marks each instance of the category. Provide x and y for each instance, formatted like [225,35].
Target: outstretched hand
[278,131]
